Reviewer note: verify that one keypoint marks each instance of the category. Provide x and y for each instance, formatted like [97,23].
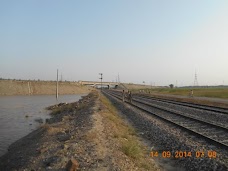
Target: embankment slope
[12,87]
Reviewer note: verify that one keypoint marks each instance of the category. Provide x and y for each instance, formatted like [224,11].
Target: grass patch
[126,135]
[198,92]
[131,131]
[56,111]
[132,149]
[52,130]
[67,108]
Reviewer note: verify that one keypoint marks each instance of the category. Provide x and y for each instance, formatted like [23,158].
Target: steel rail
[197,106]
[207,138]
[181,114]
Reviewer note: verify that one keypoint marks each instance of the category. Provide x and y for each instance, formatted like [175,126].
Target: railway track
[192,105]
[211,132]
[213,117]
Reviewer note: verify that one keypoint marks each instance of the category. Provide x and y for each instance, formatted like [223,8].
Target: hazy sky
[156,41]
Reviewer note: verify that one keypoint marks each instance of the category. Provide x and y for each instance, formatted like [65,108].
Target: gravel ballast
[163,136]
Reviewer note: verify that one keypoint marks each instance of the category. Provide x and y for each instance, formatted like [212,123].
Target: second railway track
[192,105]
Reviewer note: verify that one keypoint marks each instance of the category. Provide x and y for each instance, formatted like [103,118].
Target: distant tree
[171,85]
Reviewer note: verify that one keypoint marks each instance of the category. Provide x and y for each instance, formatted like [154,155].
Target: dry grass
[56,111]
[132,149]
[67,118]
[52,130]
[90,136]
[45,126]
[126,135]
[136,86]
[66,108]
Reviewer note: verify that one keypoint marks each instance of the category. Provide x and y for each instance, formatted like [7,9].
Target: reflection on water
[18,115]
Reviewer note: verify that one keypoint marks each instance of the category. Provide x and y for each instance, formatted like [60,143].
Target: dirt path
[108,145]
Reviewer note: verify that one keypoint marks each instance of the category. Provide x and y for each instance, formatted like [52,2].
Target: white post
[29,89]
[57,91]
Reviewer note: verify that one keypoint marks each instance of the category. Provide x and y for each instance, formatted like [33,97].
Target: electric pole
[196,81]
[101,79]
[57,91]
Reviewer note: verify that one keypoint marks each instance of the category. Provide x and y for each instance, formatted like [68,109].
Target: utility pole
[57,88]
[101,79]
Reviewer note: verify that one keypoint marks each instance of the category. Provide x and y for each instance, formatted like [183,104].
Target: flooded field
[19,115]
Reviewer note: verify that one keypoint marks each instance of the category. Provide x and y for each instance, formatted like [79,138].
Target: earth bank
[85,135]
[13,87]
